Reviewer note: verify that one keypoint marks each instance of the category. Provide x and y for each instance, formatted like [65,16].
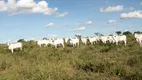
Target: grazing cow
[58,41]
[84,40]
[15,45]
[45,42]
[93,40]
[138,38]
[66,40]
[104,39]
[120,38]
[111,39]
[74,41]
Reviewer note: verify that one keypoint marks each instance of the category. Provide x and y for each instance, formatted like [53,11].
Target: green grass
[90,62]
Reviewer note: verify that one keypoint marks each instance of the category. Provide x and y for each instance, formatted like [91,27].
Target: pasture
[86,62]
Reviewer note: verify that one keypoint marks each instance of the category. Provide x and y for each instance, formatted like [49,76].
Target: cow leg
[63,45]
[12,50]
[105,42]
[75,44]
[20,48]
[55,46]
[125,43]
[45,45]
[116,43]
[141,43]
[92,43]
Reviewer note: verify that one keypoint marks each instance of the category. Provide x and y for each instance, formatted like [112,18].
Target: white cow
[138,38]
[58,41]
[45,42]
[74,41]
[111,39]
[104,39]
[15,45]
[66,40]
[120,38]
[93,40]
[84,40]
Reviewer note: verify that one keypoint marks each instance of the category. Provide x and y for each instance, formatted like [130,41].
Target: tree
[78,36]
[118,32]
[21,40]
[44,38]
[127,33]
[110,34]
[98,34]
[138,32]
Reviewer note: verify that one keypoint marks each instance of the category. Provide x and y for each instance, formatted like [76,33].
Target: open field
[90,62]
[70,39]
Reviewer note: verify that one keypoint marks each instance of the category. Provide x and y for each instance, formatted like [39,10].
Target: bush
[4,65]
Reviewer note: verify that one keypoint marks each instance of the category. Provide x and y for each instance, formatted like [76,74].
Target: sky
[27,19]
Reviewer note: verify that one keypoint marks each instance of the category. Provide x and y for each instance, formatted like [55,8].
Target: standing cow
[14,45]
[120,38]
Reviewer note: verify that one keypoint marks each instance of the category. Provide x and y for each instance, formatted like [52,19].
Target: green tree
[44,38]
[110,34]
[21,40]
[138,32]
[98,34]
[127,33]
[118,32]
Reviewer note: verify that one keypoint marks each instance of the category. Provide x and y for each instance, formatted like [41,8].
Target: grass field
[90,62]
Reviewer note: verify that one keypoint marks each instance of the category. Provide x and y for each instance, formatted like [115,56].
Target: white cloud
[80,29]
[84,23]
[111,9]
[26,6]
[131,15]
[112,21]
[62,14]
[88,22]
[50,24]
[3,7]
[27,3]
[140,3]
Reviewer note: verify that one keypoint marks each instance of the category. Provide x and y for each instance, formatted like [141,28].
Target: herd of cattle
[75,41]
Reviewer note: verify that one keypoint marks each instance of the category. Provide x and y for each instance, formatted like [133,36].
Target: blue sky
[50,18]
